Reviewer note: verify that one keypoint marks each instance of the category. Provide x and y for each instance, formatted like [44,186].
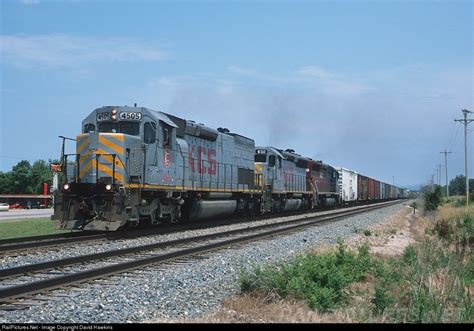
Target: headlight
[66,187]
[108,187]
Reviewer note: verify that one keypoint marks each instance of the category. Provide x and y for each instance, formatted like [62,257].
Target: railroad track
[7,246]
[38,242]
[145,255]
[19,244]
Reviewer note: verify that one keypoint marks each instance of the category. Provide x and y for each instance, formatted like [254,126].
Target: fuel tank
[211,208]
[293,204]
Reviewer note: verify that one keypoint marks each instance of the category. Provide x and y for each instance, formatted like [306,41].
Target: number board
[103,117]
[261,151]
[126,115]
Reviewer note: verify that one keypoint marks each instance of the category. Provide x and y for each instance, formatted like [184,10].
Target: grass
[432,282]
[27,228]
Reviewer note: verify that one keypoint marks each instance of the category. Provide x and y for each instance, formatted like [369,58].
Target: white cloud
[312,76]
[59,50]
[315,72]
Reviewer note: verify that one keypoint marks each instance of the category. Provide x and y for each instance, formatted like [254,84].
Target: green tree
[457,185]
[41,174]
[5,182]
[26,179]
[22,178]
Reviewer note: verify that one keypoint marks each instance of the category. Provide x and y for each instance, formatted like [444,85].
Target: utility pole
[446,168]
[438,173]
[440,169]
[466,121]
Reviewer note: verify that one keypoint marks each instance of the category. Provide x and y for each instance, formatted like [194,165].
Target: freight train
[135,165]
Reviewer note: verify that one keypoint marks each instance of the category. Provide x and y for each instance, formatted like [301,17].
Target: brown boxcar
[374,189]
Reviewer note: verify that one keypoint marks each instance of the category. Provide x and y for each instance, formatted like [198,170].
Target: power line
[455,141]
[453,136]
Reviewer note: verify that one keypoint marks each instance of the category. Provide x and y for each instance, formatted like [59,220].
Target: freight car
[348,186]
[135,165]
[357,188]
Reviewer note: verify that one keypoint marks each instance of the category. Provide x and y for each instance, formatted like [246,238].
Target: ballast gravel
[189,288]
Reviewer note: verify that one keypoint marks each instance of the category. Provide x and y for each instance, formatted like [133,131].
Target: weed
[367,233]
[381,299]
[468,271]
[410,256]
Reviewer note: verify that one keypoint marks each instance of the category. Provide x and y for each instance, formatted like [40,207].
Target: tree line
[457,186]
[25,178]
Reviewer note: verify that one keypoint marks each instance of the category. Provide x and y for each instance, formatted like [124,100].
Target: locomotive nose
[101,157]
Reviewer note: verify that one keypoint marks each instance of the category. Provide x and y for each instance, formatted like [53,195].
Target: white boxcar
[347,185]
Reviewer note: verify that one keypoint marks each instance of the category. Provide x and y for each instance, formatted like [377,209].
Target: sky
[372,86]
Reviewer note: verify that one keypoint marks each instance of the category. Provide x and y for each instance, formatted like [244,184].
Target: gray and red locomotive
[135,165]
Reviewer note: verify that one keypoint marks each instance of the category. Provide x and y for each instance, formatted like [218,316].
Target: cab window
[149,135]
[88,128]
[261,158]
[166,136]
[271,161]
[131,128]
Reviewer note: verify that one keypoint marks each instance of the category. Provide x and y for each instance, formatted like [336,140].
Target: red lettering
[167,158]
[201,168]
[191,158]
[211,153]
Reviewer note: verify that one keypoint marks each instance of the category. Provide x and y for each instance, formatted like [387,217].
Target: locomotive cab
[109,157]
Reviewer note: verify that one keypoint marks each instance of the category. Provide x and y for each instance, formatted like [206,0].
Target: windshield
[261,158]
[132,128]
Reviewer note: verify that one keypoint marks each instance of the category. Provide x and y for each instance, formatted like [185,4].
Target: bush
[319,279]
[433,198]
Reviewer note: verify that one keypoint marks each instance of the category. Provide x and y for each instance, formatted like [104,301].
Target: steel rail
[15,271]
[22,243]
[51,241]
[13,292]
